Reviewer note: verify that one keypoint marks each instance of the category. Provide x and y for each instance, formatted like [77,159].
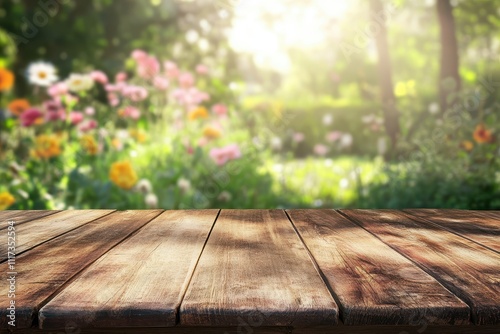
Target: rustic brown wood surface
[254,271]
[254,265]
[481,227]
[22,216]
[467,269]
[363,271]
[42,271]
[113,292]
[37,231]
[246,328]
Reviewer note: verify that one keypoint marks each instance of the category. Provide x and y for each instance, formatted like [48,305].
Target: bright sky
[266,28]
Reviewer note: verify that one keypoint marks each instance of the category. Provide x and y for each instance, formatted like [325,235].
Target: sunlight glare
[268,29]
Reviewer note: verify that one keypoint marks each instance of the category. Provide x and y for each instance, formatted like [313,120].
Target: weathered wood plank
[467,269]
[248,328]
[44,270]
[139,283]
[255,265]
[22,216]
[38,231]
[478,226]
[373,283]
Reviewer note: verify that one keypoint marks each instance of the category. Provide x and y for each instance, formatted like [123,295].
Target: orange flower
[46,146]
[467,145]
[138,135]
[6,79]
[89,144]
[18,106]
[200,112]
[482,135]
[211,132]
[123,174]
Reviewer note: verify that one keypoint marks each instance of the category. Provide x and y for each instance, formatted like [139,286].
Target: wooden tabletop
[251,271]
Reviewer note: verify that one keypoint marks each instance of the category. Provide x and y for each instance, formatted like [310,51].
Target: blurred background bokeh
[249,104]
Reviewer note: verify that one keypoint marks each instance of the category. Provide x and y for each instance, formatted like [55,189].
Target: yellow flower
[6,200]
[18,106]
[46,146]
[123,175]
[138,135]
[6,79]
[200,112]
[467,145]
[89,144]
[211,132]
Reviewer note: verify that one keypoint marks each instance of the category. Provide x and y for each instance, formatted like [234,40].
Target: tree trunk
[449,80]
[391,114]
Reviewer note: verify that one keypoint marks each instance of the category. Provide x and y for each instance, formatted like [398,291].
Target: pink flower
[87,125]
[131,112]
[57,89]
[90,111]
[111,88]
[99,77]
[30,117]
[190,97]
[219,109]
[113,99]
[138,54]
[54,110]
[135,93]
[186,80]
[160,83]
[202,141]
[75,117]
[320,149]
[224,154]
[171,69]
[298,137]
[147,66]
[202,69]
[333,136]
[121,77]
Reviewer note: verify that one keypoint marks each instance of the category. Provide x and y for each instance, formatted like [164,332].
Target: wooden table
[252,271]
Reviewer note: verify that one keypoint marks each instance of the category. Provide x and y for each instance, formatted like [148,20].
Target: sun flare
[267,29]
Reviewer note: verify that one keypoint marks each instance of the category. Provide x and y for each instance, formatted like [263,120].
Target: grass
[328,183]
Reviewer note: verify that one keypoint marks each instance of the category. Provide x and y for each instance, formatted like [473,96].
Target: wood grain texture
[246,328]
[374,284]
[139,283]
[478,226]
[22,216]
[467,269]
[255,266]
[38,231]
[44,270]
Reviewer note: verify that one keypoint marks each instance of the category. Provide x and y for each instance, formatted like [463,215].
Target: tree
[449,79]
[391,113]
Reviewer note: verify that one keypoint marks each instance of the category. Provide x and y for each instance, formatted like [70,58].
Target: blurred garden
[181,104]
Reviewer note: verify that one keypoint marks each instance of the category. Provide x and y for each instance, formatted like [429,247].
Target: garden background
[249,104]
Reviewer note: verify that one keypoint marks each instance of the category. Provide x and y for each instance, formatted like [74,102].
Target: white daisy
[42,74]
[79,82]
